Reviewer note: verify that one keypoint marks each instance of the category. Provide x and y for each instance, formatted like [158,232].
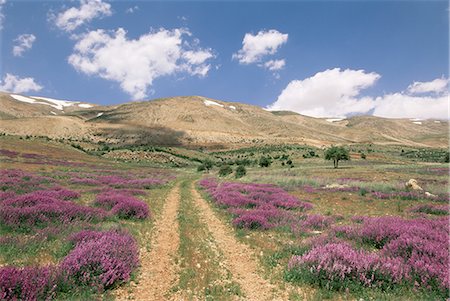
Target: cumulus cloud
[332,92]
[336,93]
[256,47]
[23,42]
[135,64]
[88,10]
[438,85]
[274,65]
[399,105]
[14,84]
[2,15]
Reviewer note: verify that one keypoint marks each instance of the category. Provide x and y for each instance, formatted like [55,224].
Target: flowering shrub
[8,153]
[36,209]
[59,193]
[19,181]
[413,251]
[336,264]
[317,222]
[410,195]
[122,204]
[255,206]
[29,283]
[431,209]
[100,259]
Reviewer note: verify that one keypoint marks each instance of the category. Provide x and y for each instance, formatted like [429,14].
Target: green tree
[240,172]
[265,161]
[206,165]
[225,170]
[337,153]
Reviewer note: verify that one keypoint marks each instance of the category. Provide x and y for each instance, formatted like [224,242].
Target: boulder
[412,185]
[430,195]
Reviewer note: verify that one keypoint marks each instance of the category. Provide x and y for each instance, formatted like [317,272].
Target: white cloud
[132,9]
[438,85]
[399,105]
[274,65]
[256,47]
[332,92]
[336,93]
[135,64]
[14,84]
[74,17]
[2,15]
[24,42]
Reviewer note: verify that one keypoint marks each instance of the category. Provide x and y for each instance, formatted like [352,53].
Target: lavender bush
[414,252]
[100,259]
[29,283]
[431,209]
[255,206]
[36,209]
[122,204]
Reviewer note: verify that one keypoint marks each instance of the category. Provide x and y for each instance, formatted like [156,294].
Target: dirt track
[239,258]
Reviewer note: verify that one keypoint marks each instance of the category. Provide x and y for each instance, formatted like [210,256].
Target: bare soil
[159,269]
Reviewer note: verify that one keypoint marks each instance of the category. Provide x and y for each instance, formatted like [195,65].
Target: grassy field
[57,203]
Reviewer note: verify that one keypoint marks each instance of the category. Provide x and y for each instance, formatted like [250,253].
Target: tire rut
[159,270]
[239,258]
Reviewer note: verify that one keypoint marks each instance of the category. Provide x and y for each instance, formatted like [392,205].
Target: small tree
[240,172]
[264,161]
[206,165]
[225,170]
[337,153]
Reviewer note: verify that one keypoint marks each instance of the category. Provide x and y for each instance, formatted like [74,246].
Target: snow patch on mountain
[212,103]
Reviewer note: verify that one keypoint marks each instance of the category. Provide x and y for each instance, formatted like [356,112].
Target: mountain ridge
[198,120]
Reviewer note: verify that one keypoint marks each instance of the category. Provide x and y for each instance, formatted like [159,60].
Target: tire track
[239,258]
[159,270]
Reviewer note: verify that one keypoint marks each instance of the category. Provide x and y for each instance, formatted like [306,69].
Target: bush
[225,170]
[28,283]
[100,259]
[265,161]
[363,156]
[122,204]
[206,165]
[37,210]
[240,172]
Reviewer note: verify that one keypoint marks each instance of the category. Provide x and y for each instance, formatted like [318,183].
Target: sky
[318,58]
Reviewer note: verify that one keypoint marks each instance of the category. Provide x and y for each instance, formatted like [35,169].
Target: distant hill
[196,120]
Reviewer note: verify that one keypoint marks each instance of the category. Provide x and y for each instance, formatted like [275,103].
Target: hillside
[200,121]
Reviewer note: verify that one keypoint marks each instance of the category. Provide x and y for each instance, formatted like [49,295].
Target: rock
[412,184]
[336,185]
[430,195]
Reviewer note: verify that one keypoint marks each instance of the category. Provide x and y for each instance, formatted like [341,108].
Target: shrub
[240,172]
[28,283]
[431,209]
[335,265]
[255,205]
[122,204]
[100,259]
[37,210]
[265,161]
[225,170]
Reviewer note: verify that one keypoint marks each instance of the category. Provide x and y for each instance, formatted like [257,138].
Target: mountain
[201,121]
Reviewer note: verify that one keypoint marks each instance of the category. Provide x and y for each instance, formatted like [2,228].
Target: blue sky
[368,54]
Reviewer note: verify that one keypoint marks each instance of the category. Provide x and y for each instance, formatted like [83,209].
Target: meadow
[83,225]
